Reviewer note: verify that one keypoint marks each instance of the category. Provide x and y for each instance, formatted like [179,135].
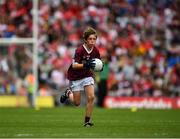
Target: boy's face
[91,40]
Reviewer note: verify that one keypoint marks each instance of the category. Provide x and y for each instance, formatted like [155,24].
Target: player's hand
[89,64]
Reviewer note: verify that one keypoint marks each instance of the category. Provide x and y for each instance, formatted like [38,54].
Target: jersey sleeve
[98,54]
[77,56]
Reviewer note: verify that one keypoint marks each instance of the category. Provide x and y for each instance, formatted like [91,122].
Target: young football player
[80,74]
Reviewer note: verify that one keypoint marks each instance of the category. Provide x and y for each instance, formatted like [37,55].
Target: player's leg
[74,93]
[65,95]
[74,97]
[89,89]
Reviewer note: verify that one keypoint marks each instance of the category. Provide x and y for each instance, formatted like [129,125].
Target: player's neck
[89,49]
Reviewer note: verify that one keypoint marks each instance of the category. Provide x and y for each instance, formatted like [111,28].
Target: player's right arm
[76,65]
[77,62]
[87,65]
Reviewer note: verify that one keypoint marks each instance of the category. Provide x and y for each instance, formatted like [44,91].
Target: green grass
[68,121]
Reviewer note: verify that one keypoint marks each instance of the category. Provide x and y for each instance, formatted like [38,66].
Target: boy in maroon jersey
[81,75]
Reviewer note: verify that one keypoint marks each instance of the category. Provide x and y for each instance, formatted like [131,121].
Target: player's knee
[91,98]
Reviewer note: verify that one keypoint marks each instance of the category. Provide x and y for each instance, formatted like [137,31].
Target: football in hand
[98,65]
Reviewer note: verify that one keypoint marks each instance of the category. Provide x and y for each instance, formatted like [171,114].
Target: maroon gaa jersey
[81,55]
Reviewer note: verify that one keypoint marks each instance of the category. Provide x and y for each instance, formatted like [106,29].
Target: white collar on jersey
[88,51]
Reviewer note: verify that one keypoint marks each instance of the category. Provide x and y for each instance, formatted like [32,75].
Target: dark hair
[89,31]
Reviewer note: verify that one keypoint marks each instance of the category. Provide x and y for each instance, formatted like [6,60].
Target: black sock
[87,119]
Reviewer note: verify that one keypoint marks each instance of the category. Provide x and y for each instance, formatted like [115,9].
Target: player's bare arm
[89,64]
[76,65]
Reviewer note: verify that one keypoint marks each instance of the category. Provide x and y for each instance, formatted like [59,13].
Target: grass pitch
[109,123]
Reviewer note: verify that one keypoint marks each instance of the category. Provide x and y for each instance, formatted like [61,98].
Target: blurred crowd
[15,18]
[16,77]
[138,39]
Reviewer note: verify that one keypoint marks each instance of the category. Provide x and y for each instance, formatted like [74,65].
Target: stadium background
[138,39]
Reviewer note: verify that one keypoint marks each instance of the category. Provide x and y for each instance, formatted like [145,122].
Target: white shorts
[79,85]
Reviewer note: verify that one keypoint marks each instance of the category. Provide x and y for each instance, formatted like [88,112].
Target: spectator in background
[30,84]
[102,79]
[15,18]
[12,79]
[174,80]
